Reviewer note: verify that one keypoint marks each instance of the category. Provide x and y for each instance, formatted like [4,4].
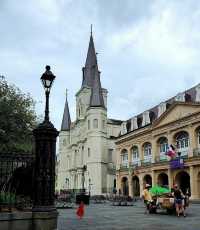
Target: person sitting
[146,195]
[178,198]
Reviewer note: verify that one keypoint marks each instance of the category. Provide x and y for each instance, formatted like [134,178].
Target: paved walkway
[107,217]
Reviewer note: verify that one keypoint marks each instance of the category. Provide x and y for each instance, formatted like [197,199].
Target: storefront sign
[177,163]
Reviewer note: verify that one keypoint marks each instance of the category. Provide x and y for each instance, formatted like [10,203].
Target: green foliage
[17,119]
[7,198]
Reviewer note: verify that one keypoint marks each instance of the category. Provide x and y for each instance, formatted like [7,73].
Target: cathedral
[86,156]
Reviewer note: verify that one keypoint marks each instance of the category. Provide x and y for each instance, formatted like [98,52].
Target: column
[79,180]
[118,184]
[193,184]
[170,138]
[130,185]
[153,174]
[192,141]
[129,156]
[141,184]
[154,150]
[118,158]
[170,179]
[141,152]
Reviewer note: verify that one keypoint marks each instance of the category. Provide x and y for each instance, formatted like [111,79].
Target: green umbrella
[157,190]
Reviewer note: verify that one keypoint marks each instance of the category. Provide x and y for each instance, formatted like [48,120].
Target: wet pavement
[107,217]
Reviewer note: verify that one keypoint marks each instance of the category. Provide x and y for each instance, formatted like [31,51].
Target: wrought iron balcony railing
[135,164]
[196,152]
[146,163]
[124,166]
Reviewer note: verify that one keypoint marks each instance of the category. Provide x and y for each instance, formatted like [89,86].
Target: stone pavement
[107,217]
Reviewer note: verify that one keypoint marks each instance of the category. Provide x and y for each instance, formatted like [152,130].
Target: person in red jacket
[80,210]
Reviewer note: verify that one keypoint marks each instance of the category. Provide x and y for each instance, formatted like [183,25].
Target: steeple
[96,99]
[91,76]
[91,61]
[66,121]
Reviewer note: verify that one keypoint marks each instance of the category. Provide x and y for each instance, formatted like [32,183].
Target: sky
[148,50]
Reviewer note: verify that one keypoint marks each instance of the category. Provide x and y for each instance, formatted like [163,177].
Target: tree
[17,119]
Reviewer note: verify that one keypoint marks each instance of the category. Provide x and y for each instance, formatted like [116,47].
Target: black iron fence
[16,173]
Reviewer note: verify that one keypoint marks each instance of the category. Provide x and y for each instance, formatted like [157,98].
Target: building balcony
[148,159]
[161,158]
[124,166]
[135,163]
[184,152]
[146,163]
[196,152]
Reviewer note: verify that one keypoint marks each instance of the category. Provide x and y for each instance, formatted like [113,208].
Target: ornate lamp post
[89,186]
[45,149]
[83,178]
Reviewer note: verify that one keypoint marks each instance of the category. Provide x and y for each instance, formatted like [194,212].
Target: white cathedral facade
[89,140]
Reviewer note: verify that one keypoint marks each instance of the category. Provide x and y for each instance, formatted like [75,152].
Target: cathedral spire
[66,121]
[91,59]
[96,99]
[90,62]
[91,76]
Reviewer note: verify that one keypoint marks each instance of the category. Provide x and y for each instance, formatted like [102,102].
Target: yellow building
[145,139]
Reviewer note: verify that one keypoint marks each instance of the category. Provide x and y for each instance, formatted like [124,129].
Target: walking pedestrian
[146,195]
[179,199]
[80,210]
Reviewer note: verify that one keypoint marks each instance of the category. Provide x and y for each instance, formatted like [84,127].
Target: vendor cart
[166,202]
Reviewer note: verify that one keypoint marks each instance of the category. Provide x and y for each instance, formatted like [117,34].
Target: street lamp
[83,177]
[47,79]
[45,155]
[67,183]
[89,186]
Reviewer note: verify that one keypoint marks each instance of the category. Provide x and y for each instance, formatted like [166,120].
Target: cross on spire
[91,29]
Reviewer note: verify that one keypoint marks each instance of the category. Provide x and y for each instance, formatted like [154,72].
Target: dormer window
[95,124]
[180,97]
[145,118]
[197,93]
[123,128]
[161,108]
[134,124]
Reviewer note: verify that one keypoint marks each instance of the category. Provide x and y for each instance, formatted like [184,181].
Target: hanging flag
[80,210]
[171,152]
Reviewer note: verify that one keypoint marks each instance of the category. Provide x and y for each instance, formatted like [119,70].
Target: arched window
[88,152]
[88,124]
[198,136]
[147,151]
[95,124]
[79,111]
[163,147]
[124,158]
[103,124]
[182,142]
[134,154]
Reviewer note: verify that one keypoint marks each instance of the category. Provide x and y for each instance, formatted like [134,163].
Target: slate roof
[96,99]
[91,76]
[190,96]
[114,121]
[66,121]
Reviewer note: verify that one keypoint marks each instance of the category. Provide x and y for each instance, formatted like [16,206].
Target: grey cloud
[35,33]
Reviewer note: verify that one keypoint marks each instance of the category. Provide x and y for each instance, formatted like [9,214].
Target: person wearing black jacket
[179,199]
